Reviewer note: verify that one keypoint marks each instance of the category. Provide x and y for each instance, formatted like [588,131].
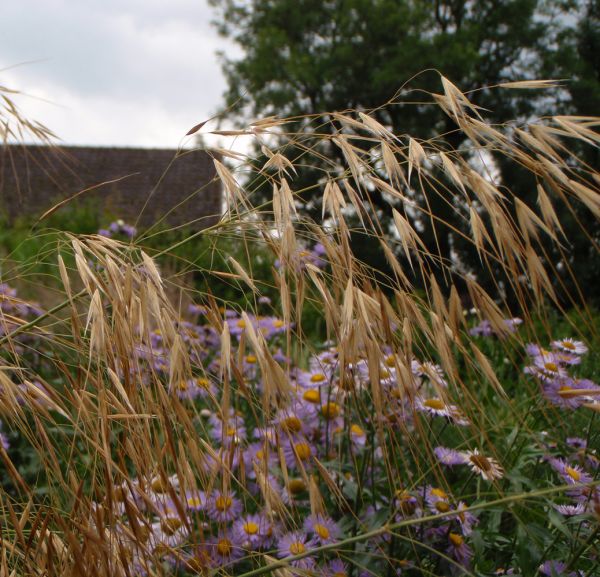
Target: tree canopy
[307,57]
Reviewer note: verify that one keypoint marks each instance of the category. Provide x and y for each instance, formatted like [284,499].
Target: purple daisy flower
[437,500]
[195,500]
[572,474]
[336,568]
[407,505]
[569,346]
[565,393]
[449,457]
[250,531]
[576,442]
[223,507]
[324,529]
[314,378]
[296,543]
[297,452]
[556,569]
[295,420]
[465,519]
[259,455]
[570,510]
[225,549]
[547,367]
[232,432]
[483,329]
[272,326]
[458,549]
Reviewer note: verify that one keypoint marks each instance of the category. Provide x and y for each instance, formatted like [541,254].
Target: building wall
[153,184]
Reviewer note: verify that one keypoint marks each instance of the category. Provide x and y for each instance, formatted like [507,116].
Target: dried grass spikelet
[451,169]
[234,192]
[317,505]
[537,275]
[589,197]
[487,308]
[538,145]
[276,161]
[333,200]
[389,189]
[392,167]
[376,127]
[239,269]
[411,242]
[548,213]
[275,382]
[529,222]
[416,156]
[351,154]
[579,127]
[530,84]
[400,276]
[479,231]
[96,323]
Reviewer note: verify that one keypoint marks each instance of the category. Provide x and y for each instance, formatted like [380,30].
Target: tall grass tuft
[333,420]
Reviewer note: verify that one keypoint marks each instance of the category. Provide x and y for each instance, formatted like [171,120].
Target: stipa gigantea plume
[156,435]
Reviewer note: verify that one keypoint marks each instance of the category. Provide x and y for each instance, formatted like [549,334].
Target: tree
[304,57]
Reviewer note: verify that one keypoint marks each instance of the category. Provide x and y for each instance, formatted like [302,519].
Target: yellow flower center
[251,528]
[330,410]
[390,361]
[568,345]
[312,396]
[357,431]
[296,548]
[251,359]
[224,547]
[296,486]
[182,385]
[158,486]
[456,539]
[317,378]
[436,404]
[384,374]
[223,503]
[567,392]
[321,531]
[573,473]
[277,323]
[551,367]
[481,462]
[202,382]
[439,493]
[292,424]
[194,501]
[171,524]
[442,506]
[241,324]
[302,451]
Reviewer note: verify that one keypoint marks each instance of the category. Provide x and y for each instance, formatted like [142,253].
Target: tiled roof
[146,183]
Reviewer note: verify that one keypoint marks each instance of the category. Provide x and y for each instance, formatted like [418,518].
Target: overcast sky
[116,72]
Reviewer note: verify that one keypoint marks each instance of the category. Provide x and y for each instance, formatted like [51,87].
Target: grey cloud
[146,56]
